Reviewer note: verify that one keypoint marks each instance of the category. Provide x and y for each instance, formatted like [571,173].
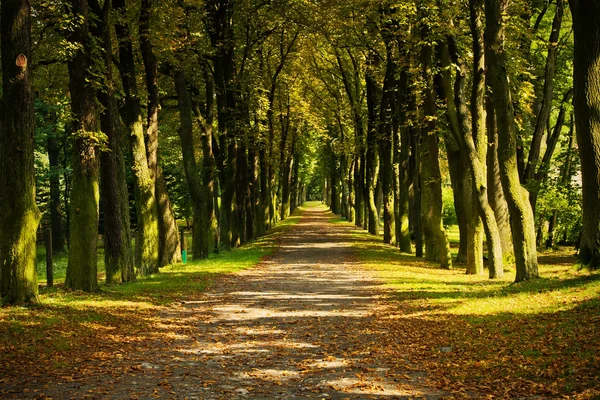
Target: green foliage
[449,217]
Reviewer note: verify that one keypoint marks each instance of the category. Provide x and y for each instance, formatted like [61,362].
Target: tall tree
[82,273]
[118,253]
[437,247]
[546,104]
[56,223]
[219,20]
[146,251]
[169,250]
[19,215]
[522,222]
[192,174]
[586,82]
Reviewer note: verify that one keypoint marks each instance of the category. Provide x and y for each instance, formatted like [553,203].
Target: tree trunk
[495,192]
[586,99]
[470,248]
[359,183]
[565,177]
[415,190]
[210,218]
[386,131]
[403,164]
[253,216]
[541,175]
[220,31]
[476,143]
[197,195]
[372,170]
[522,222]
[460,181]
[58,232]
[241,188]
[546,101]
[146,249]
[437,247]
[82,273]
[169,251]
[350,187]
[19,215]
[263,217]
[118,254]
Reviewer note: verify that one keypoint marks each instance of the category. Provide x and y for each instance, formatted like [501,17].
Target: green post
[183,242]
[49,266]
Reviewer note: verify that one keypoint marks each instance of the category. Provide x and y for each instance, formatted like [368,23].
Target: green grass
[69,325]
[59,263]
[532,338]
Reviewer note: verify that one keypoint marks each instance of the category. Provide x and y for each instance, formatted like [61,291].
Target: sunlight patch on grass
[562,286]
[67,324]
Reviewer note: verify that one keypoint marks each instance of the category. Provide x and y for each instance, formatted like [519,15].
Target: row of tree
[482,90]
[227,112]
[216,69]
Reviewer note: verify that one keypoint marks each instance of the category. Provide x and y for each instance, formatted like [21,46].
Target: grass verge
[481,338]
[69,329]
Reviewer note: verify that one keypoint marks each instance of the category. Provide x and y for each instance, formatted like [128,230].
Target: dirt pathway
[304,324]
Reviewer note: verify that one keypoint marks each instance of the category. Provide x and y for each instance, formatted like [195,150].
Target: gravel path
[303,324]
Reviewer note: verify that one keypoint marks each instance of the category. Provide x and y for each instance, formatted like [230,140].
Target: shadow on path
[300,325]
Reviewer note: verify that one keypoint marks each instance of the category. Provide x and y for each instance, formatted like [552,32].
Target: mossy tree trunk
[475,141]
[146,251]
[415,189]
[19,215]
[386,142]
[521,214]
[403,164]
[169,251]
[205,120]
[565,179]
[469,131]
[220,32]
[372,164]
[118,253]
[494,186]
[437,247]
[586,76]
[82,273]
[186,136]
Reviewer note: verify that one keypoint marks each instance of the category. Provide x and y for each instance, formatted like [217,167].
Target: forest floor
[331,313]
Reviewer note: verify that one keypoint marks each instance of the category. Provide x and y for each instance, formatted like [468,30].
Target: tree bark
[220,31]
[82,273]
[118,254]
[403,178]
[19,215]
[58,232]
[186,136]
[169,251]
[147,243]
[372,170]
[586,99]
[386,131]
[415,190]
[546,103]
[565,177]
[476,142]
[437,247]
[495,192]
[210,218]
[522,222]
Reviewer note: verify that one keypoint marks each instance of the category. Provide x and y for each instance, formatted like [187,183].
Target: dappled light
[332,313]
